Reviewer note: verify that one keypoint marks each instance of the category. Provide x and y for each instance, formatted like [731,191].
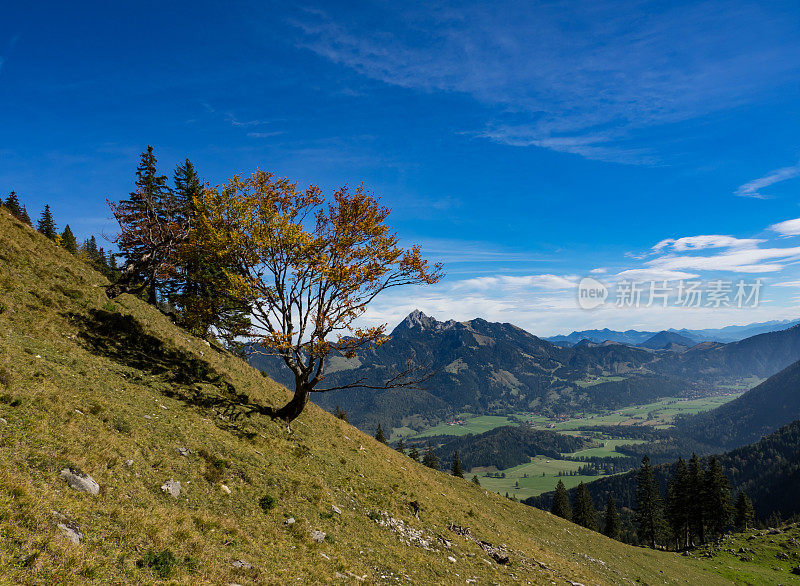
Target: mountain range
[637,337]
[484,367]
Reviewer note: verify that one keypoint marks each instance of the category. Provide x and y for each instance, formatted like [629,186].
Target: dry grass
[89,383]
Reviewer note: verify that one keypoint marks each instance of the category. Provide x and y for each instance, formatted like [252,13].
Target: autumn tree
[307,267]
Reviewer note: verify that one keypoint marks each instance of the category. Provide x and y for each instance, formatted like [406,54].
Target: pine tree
[429,459]
[561,506]
[718,499]
[340,414]
[413,453]
[455,469]
[678,509]
[475,480]
[95,256]
[648,505]
[401,446]
[612,527]
[17,210]
[148,224]
[68,241]
[744,512]
[379,435]
[46,224]
[583,512]
[697,516]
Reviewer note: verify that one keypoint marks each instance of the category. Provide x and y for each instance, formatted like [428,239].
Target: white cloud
[702,242]
[627,70]
[787,228]
[654,275]
[746,260]
[753,188]
[546,281]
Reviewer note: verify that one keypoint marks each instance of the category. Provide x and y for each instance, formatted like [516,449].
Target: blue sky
[524,144]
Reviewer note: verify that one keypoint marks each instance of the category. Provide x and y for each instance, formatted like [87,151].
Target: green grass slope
[114,389]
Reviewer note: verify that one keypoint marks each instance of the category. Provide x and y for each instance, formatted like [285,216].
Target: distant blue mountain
[637,337]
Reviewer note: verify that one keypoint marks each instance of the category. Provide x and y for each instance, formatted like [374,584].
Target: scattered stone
[686,554]
[242,565]
[147,417]
[289,521]
[183,452]
[317,536]
[409,535]
[80,481]
[172,488]
[336,510]
[574,583]
[451,559]
[782,555]
[129,463]
[3,421]
[225,488]
[78,411]
[326,557]
[70,529]
[498,554]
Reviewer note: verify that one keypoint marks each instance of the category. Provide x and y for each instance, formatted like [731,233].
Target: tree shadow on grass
[122,339]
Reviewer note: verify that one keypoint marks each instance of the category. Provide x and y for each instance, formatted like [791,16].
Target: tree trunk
[294,408]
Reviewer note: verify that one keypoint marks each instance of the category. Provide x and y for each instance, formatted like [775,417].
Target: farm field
[659,414]
[607,450]
[542,476]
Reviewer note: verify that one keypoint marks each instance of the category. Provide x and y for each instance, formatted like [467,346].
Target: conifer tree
[561,507]
[401,446]
[718,499]
[151,229]
[455,468]
[413,453]
[475,480]
[697,499]
[612,527]
[744,512]
[583,512]
[379,435]
[340,414]
[17,210]
[68,241]
[678,507]
[46,224]
[429,459]
[649,511]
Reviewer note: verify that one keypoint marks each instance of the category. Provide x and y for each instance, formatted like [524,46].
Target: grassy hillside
[115,390]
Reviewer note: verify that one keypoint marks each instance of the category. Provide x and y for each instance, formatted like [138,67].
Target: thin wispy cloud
[754,188]
[575,77]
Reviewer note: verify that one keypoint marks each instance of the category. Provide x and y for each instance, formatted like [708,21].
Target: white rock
[225,488]
[72,533]
[183,451]
[80,482]
[317,536]
[242,565]
[172,488]
[289,521]
[129,463]
[336,509]
[3,421]
[451,558]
